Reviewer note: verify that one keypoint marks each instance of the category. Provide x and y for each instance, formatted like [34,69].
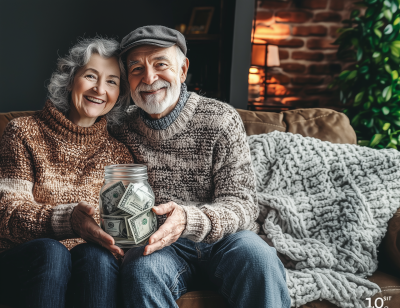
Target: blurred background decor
[35,33]
[303,31]
[370,88]
[200,20]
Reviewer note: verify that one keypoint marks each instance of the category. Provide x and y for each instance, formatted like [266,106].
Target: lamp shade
[264,54]
[273,56]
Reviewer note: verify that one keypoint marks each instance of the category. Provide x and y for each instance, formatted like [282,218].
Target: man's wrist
[198,225]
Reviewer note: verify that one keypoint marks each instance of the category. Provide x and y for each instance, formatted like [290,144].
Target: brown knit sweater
[202,162]
[48,165]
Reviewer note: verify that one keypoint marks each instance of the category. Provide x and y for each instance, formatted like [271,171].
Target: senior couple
[53,252]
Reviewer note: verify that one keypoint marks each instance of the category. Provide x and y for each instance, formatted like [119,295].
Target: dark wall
[241,53]
[34,33]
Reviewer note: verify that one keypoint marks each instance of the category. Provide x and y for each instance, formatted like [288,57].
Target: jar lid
[126,172]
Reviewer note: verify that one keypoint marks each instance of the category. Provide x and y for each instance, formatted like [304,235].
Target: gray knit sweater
[201,162]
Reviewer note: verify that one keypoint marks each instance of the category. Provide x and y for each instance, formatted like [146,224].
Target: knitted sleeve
[234,205]
[21,217]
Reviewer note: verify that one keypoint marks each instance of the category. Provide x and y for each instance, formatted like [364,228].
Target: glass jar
[126,200]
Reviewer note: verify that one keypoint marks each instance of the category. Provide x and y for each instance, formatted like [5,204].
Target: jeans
[43,273]
[243,268]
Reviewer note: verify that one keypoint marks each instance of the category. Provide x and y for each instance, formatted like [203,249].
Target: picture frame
[200,20]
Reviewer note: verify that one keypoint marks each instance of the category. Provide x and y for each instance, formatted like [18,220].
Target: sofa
[327,125]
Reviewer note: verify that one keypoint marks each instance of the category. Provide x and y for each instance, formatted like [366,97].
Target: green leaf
[359,54]
[376,54]
[386,126]
[387,3]
[385,48]
[363,143]
[388,69]
[379,16]
[387,94]
[355,13]
[393,140]
[394,7]
[378,24]
[359,97]
[395,51]
[367,105]
[385,110]
[396,44]
[369,12]
[396,21]
[369,123]
[344,74]
[378,33]
[352,75]
[375,140]
[388,29]
[355,120]
[395,75]
[388,14]
[364,69]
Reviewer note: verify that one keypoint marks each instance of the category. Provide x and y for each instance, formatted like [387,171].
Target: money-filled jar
[126,200]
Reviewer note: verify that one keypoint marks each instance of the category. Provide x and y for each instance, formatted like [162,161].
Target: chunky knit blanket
[325,207]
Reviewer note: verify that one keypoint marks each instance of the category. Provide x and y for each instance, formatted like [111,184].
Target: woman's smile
[95,100]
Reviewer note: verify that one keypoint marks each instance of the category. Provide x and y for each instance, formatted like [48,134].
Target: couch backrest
[324,124]
[7,117]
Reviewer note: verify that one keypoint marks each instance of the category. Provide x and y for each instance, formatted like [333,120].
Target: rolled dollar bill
[115,226]
[111,197]
[136,199]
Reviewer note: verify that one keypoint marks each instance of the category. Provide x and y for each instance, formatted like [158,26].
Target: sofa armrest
[391,242]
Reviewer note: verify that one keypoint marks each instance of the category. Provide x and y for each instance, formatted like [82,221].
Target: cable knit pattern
[47,165]
[202,162]
[326,207]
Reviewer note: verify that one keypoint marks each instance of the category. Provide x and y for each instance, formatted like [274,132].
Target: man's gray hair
[180,56]
[61,81]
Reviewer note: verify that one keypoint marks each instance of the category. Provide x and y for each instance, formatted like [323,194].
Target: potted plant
[370,89]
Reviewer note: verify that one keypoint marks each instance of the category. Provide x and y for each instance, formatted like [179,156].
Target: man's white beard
[153,104]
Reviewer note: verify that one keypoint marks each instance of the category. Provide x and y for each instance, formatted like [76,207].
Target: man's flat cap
[153,35]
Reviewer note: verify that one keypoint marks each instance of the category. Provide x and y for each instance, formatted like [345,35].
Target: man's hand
[86,227]
[171,230]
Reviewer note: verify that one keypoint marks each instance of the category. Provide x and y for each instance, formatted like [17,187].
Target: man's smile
[152,92]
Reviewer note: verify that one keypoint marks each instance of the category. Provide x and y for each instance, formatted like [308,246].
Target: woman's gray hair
[61,81]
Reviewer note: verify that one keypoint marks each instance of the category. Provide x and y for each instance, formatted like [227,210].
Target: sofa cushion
[321,123]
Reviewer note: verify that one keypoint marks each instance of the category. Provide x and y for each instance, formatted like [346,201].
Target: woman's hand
[171,230]
[86,227]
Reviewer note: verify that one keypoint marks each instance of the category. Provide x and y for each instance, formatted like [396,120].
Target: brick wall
[303,30]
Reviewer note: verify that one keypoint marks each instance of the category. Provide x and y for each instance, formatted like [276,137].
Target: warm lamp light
[254,78]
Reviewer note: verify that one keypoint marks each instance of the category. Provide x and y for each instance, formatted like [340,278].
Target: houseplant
[370,88]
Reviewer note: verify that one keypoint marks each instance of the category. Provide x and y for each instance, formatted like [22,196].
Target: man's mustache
[156,85]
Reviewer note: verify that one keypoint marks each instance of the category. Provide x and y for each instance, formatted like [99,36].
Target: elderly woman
[51,171]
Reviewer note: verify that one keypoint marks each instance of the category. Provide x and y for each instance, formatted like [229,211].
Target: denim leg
[94,281]
[35,274]
[155,280]
[248,272]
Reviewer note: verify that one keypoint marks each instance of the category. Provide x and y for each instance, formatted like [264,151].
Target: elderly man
[199,167]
